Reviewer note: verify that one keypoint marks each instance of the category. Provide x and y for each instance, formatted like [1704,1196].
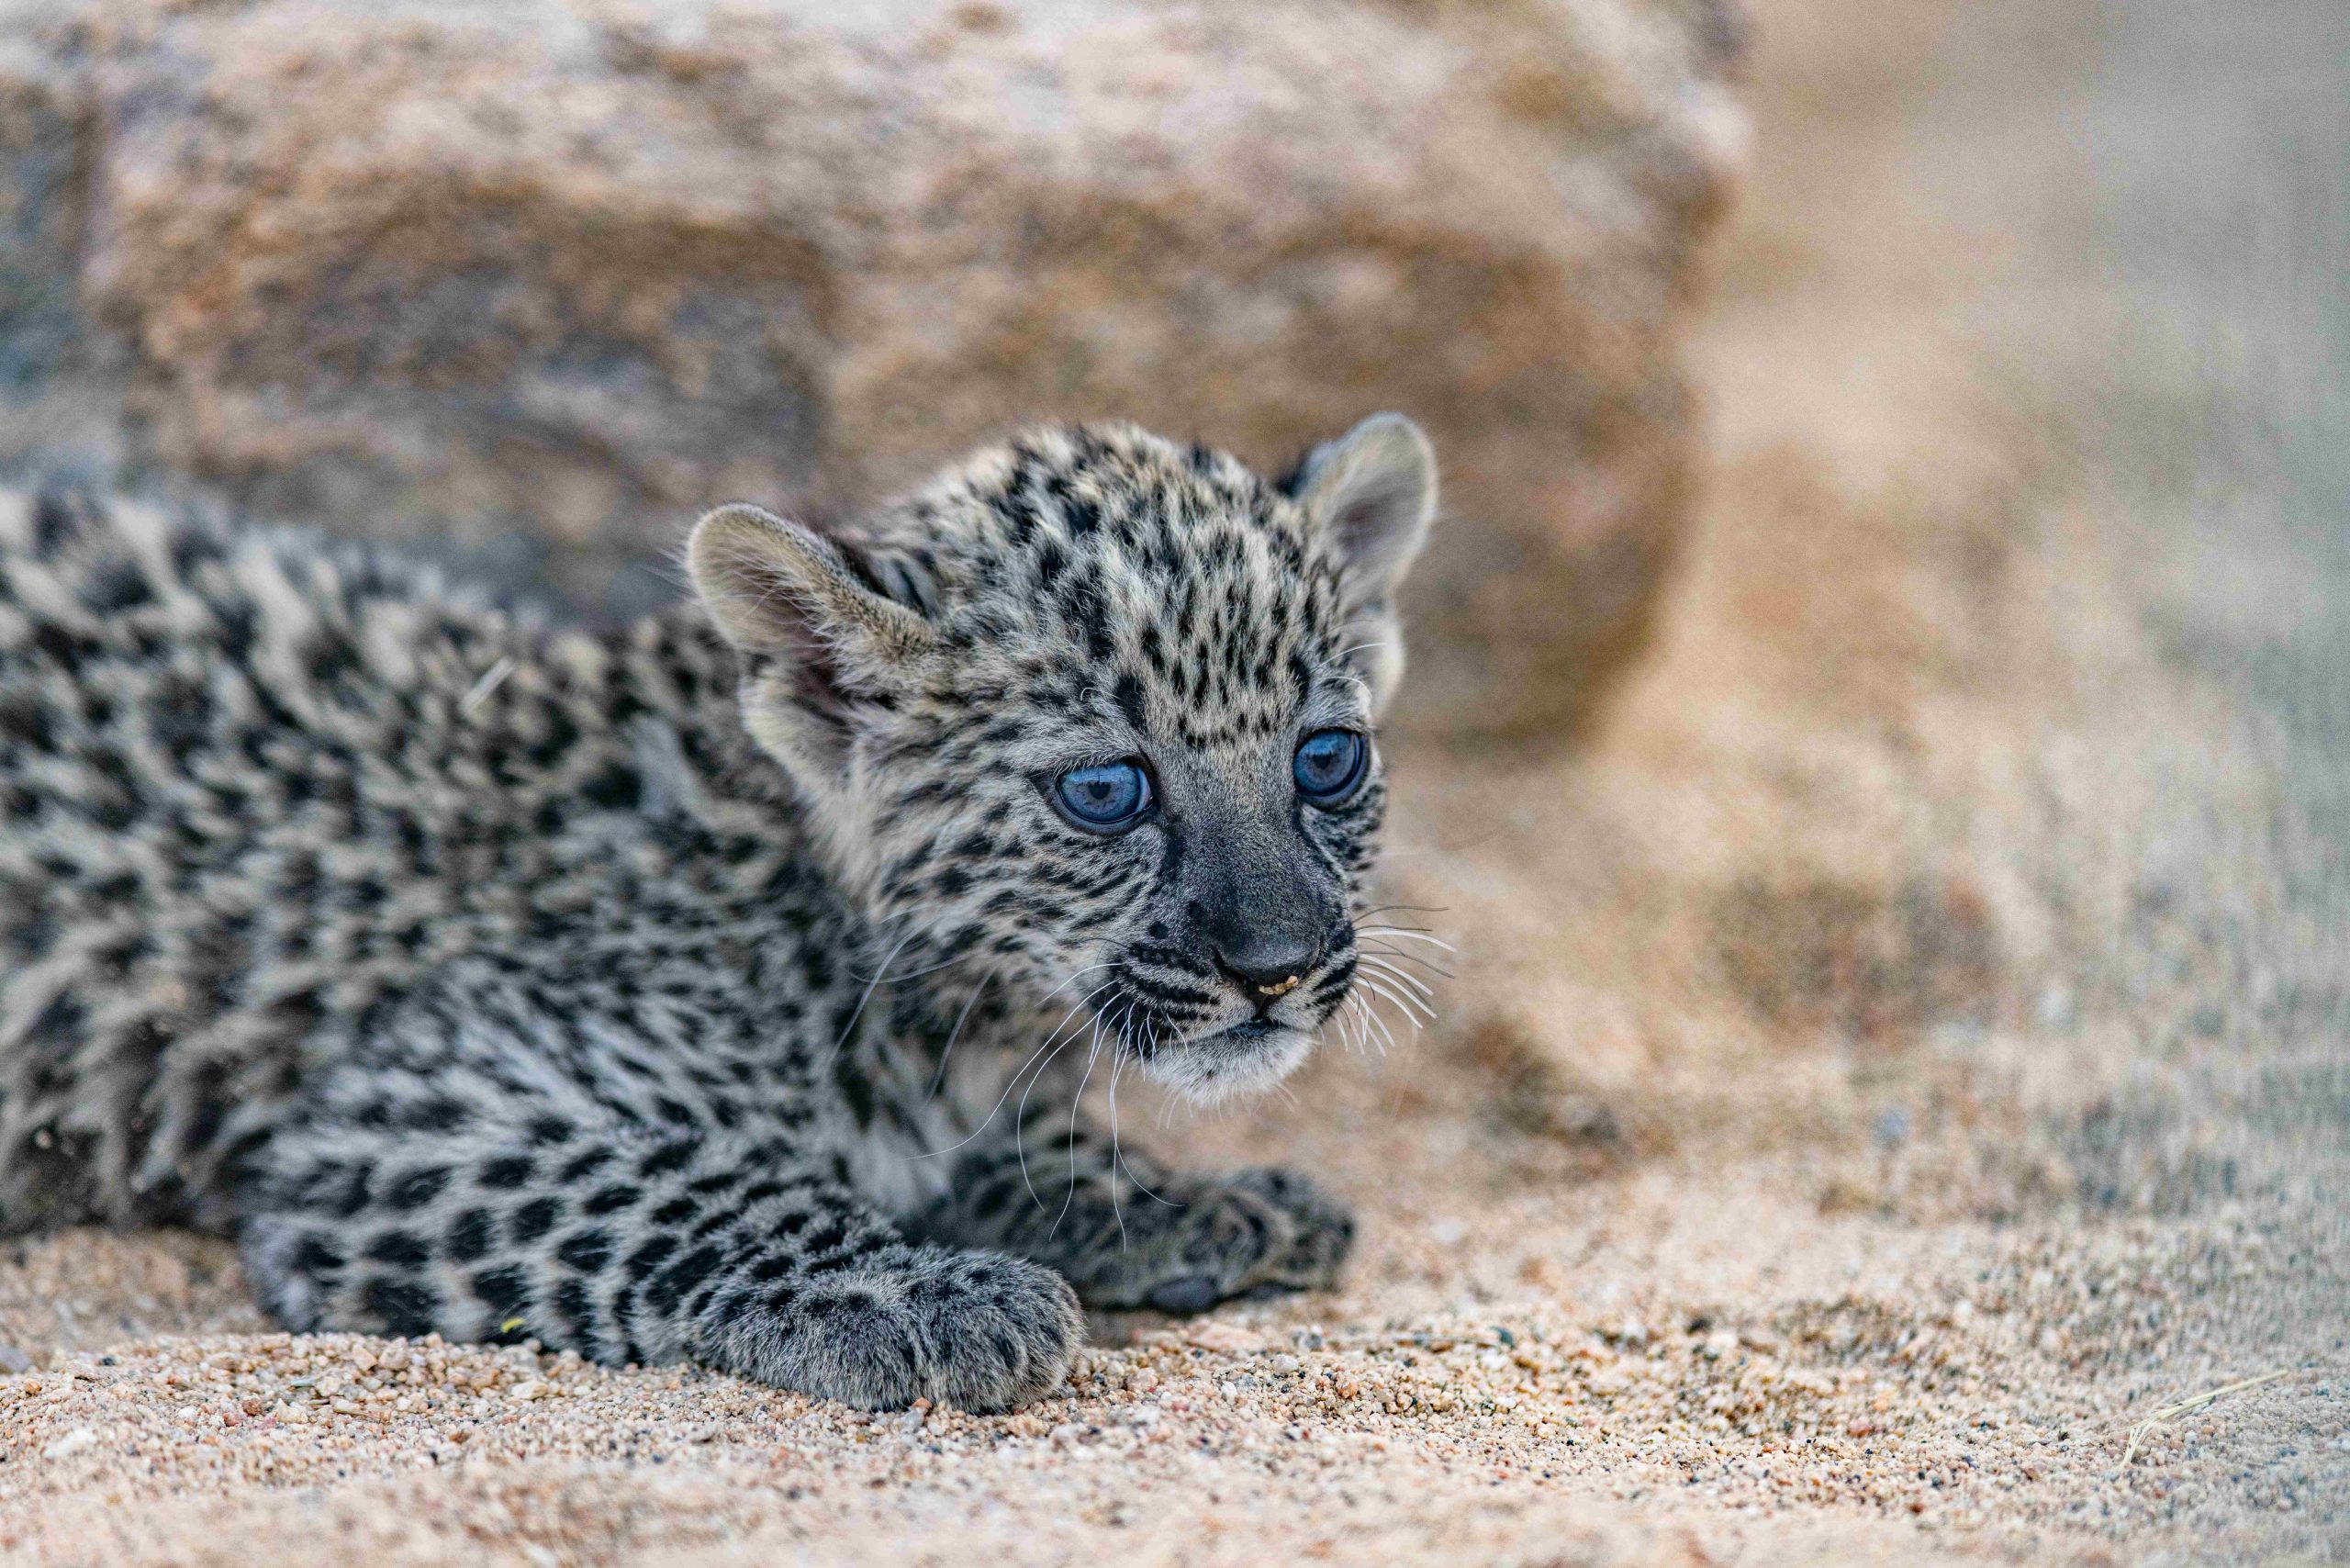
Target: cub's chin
[1241,1060]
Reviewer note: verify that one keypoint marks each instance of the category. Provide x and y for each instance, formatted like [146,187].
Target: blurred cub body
[696,989]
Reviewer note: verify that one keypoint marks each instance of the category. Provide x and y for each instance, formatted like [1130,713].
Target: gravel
[1772,1382]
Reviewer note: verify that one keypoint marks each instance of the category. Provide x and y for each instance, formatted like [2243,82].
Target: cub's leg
[633,1249]
[1127,1234]
[503,1159]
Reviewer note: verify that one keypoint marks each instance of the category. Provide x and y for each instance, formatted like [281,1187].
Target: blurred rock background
[546,279]
[1978,810]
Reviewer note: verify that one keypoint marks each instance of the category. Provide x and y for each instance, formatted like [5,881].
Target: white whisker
[1412,1008]
[1380,966]
[850,1028]
[1406,933]
[1116,1158]
[1072,980]
[1092,1055]
[948,1049]
[1435,969]
[1013,1082]
[1020,1116]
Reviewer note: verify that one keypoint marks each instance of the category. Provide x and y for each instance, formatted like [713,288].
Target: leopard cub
[720,987]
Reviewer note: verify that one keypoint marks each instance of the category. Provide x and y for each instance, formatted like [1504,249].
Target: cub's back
[251,783]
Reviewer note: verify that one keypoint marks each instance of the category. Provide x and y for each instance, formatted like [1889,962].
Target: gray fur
[715,989]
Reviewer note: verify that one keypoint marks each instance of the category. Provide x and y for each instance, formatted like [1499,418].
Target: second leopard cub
[720,988]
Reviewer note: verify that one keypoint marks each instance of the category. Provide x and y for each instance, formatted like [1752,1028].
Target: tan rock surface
[582,269]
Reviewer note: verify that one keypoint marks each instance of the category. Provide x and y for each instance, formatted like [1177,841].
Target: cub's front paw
[977,1331]
[1255,1231]
[1001,1329]
[1321,1231]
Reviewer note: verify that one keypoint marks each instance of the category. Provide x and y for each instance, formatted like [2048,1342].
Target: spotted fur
[720,988]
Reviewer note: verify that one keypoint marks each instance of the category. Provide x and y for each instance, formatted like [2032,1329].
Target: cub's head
[1092,718]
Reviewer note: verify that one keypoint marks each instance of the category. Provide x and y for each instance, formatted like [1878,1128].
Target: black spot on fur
[612,1200]
[507,1172]
[401,1247]
[316,1258]
[407,1308]
[536,1218]
[505,1291]
[469,1236]
[416,1188]
[585,1251]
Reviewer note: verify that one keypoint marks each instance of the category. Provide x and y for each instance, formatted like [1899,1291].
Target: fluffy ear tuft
[824,644]
[1372,493]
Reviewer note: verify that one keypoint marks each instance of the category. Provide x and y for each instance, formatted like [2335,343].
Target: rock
[529,270]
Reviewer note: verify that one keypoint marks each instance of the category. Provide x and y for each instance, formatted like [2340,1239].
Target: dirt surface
[1884,1078]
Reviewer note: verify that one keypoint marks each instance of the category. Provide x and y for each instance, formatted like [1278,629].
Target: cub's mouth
[1237,1060]
[1209,1036]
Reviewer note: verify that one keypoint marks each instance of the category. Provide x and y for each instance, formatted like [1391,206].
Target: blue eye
[1329,764]
[1105,798]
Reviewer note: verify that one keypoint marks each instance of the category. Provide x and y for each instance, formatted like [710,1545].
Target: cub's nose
[1268,966]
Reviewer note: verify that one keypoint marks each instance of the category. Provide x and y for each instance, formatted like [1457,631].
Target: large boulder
[574,270]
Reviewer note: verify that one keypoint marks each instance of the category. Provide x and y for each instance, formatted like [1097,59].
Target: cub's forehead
[1115,575]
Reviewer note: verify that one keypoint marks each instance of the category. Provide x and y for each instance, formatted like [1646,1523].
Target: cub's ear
[823,640]
[1372,494]
[779,586]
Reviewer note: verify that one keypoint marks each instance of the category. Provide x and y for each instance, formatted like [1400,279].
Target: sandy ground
[1897,1064]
